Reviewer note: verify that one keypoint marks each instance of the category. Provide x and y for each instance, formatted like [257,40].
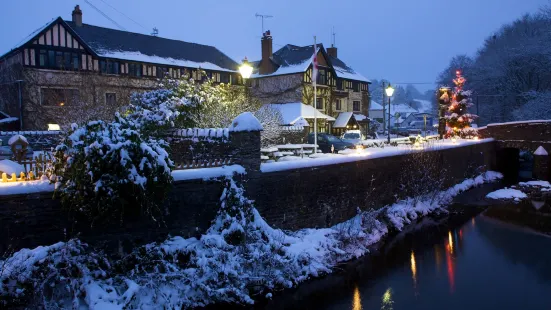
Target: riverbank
[238,259]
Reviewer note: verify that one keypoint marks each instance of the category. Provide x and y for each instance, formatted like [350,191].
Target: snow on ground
[217,271]
[25,187]
[535,183]
[207,173]
[507,193]
[355,155]
[10,167]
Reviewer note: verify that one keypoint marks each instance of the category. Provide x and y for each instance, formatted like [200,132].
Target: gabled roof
[375,106]
[343,119]
[126,45]
[297,59]
[291,59]
[295,111]
[346,72]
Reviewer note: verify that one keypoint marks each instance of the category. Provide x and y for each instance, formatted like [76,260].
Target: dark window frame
[354,103]
[338,105]
[319,103]
[111,98]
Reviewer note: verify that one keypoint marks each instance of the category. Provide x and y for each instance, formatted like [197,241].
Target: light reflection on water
[469,264]
[356,299]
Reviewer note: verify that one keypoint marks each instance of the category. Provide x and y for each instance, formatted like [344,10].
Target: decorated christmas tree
[458,120]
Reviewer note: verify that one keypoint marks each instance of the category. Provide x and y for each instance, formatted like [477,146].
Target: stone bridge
[514,137]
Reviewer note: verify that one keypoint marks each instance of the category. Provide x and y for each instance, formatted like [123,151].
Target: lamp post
[245,70]
[389,92]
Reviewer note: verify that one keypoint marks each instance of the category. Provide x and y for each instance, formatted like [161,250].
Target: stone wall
[530,133]
[327,195]
[38,219]
[309,197]
[229,147]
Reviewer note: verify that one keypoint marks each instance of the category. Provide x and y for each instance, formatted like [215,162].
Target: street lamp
[389,92]
[245,69]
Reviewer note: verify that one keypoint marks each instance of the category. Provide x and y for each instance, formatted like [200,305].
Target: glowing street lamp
[245,69]
[389,92]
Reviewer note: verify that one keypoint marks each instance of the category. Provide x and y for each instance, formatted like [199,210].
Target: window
[135,69]
[43,60]
[59,96]
[109,67]
[338,105]
[356,106]
[161,72]
[340,85]
[356,86]
[110,99]
[225,78]
[322,77]
[319,103]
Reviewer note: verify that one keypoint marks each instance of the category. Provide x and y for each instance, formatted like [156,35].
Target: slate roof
[101,39]
[295,59]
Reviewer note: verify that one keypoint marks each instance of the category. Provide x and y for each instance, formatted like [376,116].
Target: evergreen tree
[458,120]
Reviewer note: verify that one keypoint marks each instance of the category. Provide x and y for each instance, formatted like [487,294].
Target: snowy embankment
[364,154]
[239,257]
[518,192]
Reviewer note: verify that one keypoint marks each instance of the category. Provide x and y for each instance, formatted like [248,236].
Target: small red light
[458,72]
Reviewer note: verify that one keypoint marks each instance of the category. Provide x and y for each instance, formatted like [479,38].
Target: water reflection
[450,264]
[387,302]
[356,299]
[413,271]
[438,257]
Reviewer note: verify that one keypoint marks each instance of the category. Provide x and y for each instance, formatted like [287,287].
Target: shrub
[107,169]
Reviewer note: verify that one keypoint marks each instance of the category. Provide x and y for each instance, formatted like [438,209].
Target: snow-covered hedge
[240,258]
[111,168]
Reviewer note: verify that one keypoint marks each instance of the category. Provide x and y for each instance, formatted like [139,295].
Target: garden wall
[292,199]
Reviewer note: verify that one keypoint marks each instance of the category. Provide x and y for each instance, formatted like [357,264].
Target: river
[474,263]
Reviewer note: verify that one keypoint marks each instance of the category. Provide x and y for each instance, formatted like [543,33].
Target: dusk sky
[401,40]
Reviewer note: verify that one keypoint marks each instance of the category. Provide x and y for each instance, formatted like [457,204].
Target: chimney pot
[77,16]
[267,52]
[332,51]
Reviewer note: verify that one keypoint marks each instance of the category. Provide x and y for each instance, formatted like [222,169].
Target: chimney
[266,64]
[332,51]
[77,16]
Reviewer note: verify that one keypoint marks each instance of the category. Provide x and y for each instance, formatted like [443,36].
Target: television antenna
[262,16]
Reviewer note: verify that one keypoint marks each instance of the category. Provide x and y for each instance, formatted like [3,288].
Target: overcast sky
[401,40]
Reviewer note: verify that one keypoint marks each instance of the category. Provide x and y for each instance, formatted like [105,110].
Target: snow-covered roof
[132,46]
[246,121]
[297,64]
[426,105]
[375,106]
[342,120]
[294,111]
[137,56]
[401,108]
[349,74]
[360,117]
[296,59]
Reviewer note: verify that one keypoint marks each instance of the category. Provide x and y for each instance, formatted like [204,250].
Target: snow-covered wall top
[201,133]
[34,133]
[246,121]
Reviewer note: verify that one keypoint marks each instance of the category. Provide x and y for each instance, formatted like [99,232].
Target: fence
[213,147]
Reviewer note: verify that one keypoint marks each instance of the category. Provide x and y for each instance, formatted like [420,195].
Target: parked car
[353,136]
[400,131]
[325,141]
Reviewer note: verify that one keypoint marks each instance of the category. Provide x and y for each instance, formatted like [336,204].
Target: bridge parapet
[527,135]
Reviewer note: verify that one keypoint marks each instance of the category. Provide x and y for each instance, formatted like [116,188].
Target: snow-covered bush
[108,169]
[52,277]
[239,257]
